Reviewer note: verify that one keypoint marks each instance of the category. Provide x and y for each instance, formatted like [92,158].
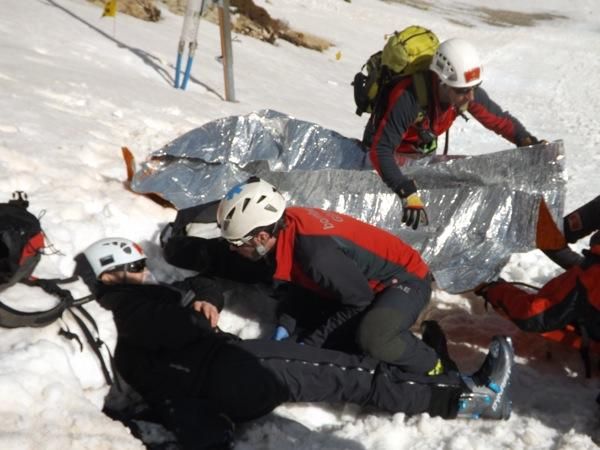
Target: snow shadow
[147,58]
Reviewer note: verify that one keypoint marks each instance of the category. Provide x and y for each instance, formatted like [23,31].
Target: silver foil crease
[481,208]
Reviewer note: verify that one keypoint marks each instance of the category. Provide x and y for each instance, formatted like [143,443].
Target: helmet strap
[443,93]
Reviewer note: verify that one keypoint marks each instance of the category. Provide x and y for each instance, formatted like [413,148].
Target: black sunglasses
[132,267]
[463,91]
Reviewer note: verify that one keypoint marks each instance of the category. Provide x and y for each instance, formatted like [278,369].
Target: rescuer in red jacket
[566,308]
[372,284]
[400,125]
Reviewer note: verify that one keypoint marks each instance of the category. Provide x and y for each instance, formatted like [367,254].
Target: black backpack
[21,241]
[22,244]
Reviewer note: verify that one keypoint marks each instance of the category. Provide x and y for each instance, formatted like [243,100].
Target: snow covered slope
[74,89]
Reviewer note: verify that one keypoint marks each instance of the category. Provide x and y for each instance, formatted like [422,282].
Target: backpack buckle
[19,198]
[428,142]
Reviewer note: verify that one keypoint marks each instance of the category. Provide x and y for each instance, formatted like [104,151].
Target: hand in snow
[209,311]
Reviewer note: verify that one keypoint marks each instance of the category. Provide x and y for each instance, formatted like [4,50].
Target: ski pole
[178,64]
[188,67]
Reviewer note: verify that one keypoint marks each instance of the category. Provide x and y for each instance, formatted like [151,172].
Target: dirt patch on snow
[255,21]
[505,18]
[247,18]
[496,17]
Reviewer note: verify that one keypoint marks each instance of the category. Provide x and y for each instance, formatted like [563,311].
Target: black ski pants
[248,379]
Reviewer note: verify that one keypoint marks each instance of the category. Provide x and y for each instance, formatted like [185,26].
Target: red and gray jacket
[342,259]
[566,309]
[401,129]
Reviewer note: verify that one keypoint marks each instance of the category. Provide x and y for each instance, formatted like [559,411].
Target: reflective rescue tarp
[481,208]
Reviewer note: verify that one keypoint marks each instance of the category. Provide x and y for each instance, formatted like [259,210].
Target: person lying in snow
[567,308]
[200,380]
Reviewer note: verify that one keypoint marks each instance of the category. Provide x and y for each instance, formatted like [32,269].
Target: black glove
[530,140]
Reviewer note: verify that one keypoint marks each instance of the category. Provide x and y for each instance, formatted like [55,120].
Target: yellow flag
[110,8]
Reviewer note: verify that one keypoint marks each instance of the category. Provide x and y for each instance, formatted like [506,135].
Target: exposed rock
[247,18]
[255,21]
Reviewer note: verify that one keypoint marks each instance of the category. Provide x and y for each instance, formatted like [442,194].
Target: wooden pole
[226,49]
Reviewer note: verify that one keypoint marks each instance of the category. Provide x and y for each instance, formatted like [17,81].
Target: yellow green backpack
[406,52]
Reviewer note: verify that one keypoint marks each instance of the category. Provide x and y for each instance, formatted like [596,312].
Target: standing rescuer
[400,126]
[371,284]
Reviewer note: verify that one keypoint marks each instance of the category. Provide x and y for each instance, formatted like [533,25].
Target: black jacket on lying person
[172,357]
[212,257]
[209,256]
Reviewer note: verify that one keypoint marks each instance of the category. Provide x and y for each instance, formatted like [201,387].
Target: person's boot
[583,221]
[434,336]
[488,393]
[497,366]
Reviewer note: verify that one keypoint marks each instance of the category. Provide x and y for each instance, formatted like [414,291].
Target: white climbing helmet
[112,253]
[247,206]
[457,64]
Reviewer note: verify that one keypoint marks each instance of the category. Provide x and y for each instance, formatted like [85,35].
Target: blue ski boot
[488,394]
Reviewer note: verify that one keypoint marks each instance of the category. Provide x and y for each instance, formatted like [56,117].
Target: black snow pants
[248,379]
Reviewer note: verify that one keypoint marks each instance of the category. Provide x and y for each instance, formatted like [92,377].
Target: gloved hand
[413,211]
[531,140]
[280,334]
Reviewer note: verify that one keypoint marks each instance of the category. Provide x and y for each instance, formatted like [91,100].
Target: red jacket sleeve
[491,116]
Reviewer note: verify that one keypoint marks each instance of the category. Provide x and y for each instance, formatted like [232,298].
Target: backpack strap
[420,85]
[12,318]
[67,333]
[111,360]
[95,343]
[584,351]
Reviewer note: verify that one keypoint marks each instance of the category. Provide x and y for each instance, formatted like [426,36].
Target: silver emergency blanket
[481,208]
